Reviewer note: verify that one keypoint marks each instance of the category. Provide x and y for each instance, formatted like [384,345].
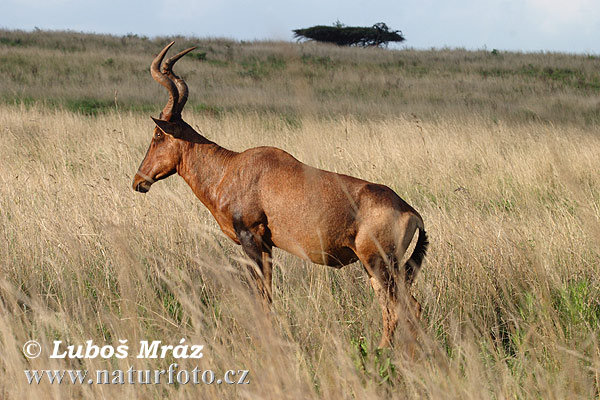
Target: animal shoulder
[268,155]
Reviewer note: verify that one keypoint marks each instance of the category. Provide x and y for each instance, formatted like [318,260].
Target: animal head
[171,133]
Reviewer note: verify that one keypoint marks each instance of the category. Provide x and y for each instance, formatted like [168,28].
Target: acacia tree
[377,35]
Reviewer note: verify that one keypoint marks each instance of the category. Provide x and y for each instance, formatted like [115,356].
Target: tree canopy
[377,35]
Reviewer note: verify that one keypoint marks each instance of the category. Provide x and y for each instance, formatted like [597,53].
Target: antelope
[263,198]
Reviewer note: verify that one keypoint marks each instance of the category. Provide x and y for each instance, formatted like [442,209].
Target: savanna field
[498,151]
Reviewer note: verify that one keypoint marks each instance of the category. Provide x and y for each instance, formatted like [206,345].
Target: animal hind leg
[396,302]
[384,285]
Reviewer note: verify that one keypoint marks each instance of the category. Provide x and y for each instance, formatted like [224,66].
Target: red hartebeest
[263,198]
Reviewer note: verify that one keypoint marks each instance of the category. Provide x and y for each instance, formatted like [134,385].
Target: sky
[571,26]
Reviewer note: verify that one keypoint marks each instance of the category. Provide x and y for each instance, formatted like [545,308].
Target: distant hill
[91,74]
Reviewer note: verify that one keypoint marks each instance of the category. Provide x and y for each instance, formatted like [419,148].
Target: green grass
[68,67]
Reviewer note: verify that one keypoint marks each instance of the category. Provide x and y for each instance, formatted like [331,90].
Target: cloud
[529,25]
[554,16]
[40,3]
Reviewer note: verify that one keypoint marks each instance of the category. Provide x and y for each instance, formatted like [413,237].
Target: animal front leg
[259,269]
[267,270]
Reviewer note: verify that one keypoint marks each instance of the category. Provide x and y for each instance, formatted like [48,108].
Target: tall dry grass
[509,289]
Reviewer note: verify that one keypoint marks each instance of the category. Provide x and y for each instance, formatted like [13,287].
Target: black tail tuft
[413,264]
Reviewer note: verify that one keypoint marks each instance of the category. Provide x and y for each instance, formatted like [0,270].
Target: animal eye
[158,134]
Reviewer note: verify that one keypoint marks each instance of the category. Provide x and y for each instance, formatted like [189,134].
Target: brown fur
[264,198]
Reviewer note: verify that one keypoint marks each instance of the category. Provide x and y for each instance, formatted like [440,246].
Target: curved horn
[180,83]
[164,80]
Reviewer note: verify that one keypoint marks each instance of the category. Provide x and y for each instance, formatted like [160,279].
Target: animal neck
[203,164]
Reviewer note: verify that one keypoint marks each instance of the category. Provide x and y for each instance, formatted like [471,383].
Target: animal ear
[172,128]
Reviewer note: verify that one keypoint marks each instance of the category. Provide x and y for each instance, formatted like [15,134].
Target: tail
[413,264]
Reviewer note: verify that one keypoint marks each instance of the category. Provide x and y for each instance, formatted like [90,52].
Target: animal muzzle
[141,183]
